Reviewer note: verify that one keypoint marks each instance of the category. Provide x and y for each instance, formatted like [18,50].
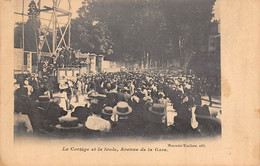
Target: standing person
[73,57]
[64,95]
[197,92]
[85,87]
[120,95]
[111,98]
[210,89]
[154,90]
[21,91]
[70,83]
[69,96]
[144,90]
[78,89]
[52,59]
[60,60]
[126,95]
[29,87]
[161,99]
[178,98]
[41,91]
[189,98]
[49,85]
[66,55]
[92,85]
[82,86]
[34,82]
[132,88]
[139,93]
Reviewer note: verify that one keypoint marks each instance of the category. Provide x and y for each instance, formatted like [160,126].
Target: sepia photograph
[129,82]
[90,69]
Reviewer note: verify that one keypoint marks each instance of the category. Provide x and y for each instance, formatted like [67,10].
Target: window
[25,58]
[34,59]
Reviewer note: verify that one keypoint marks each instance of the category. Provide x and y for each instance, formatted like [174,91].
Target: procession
[104,89]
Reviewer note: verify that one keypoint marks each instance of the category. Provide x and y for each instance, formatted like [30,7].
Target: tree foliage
[133,28]
[31,30]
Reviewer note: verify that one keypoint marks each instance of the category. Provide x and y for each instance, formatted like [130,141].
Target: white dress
[63,97]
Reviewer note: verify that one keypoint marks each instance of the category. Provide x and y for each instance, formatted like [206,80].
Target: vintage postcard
[130,82]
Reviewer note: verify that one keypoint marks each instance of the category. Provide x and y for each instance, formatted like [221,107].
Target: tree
[31,27]
[33,13]
[135,26]
[29,36]
[89,33]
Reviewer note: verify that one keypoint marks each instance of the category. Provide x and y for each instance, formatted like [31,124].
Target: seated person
[95,122]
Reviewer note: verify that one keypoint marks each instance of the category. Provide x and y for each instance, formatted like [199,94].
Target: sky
[75,5]
[19,3]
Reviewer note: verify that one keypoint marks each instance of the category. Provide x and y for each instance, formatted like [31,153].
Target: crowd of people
[40,103]
[65,57]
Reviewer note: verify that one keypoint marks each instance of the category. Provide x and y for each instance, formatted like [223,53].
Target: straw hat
[107,110]
[157,109]
[122,108]
[155,113]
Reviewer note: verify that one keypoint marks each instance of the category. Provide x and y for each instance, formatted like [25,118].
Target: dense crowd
[65,57]
[146,94]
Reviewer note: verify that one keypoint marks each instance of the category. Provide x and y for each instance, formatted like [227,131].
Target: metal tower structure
[60,10]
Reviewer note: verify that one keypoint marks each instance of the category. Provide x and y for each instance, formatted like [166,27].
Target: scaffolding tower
[55,11]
